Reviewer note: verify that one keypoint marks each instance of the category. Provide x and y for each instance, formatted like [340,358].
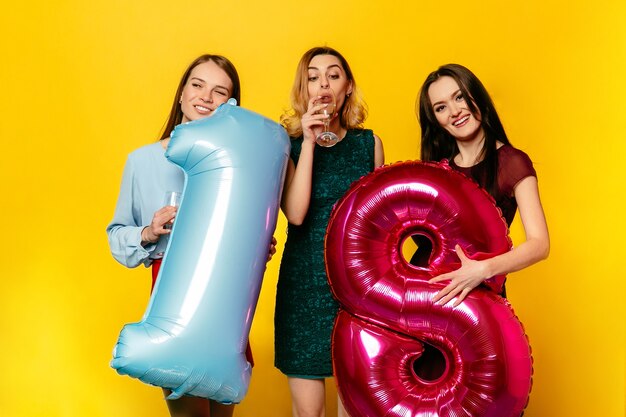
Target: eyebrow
[451,95]
[217,86]
[329,67]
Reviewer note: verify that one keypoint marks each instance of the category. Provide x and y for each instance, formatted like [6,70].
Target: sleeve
[124,231]
[516,167]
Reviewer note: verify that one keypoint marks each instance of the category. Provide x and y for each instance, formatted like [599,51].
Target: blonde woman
[316,178]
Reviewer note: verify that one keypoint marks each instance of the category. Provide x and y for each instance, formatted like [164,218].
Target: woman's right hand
[313,120]
[162,217]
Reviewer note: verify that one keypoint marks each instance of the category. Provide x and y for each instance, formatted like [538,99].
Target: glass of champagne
[327,98]
[172,198]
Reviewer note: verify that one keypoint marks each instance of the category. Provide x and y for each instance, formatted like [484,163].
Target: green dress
[305,307]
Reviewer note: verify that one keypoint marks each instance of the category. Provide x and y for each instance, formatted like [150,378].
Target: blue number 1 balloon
[193,336]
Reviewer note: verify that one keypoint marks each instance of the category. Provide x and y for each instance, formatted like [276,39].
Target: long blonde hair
[354,110]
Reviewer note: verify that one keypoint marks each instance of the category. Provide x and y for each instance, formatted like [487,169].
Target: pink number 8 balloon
[395,352]
[193,336]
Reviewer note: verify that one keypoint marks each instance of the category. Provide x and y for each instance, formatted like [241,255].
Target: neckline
[452,161]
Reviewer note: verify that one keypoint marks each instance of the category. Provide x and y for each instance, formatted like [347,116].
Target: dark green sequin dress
[305,307]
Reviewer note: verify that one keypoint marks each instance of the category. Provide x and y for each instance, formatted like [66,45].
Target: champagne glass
[172,198]
[327,97]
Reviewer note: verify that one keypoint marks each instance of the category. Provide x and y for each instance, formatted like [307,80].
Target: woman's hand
[162,217]
[313,120]
[469,276]
[272,249]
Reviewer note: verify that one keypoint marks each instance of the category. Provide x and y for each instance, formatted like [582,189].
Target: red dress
[156,265]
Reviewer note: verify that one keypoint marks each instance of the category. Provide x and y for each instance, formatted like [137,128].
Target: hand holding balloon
[389,323]
[272,249]
[463,280]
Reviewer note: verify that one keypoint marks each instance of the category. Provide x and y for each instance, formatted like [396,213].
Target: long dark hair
[176,113]
[438,144]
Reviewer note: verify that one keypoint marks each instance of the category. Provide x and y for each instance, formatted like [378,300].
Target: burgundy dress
[513,166]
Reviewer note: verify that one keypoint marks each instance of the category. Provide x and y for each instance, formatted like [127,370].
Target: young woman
[459,123]
[316,178]
[139,230]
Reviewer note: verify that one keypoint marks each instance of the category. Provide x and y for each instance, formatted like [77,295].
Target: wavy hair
[353,112]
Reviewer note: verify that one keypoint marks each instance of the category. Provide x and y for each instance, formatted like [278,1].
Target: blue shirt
[147,176]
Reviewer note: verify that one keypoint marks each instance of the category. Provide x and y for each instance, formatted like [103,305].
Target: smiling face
[207,87]
[452,110]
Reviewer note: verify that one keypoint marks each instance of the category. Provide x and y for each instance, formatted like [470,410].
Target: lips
[325,99]
[461,121]
[202,109]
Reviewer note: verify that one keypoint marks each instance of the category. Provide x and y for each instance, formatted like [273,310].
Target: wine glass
[172,198]
[327,97]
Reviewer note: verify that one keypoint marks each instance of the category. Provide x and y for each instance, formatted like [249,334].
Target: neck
[470,152]
[336,128]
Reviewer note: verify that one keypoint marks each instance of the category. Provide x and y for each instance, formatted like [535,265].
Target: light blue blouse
[147,176]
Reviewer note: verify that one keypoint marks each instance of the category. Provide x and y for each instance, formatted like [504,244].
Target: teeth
[202,108]
[458,122]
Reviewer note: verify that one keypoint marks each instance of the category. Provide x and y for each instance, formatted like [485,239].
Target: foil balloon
[395,352]
[193,336]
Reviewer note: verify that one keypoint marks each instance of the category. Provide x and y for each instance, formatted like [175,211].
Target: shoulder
[147,160]
[515,164]
[146,151]
[296,146]
[362,134]
[510,154]
[296,141]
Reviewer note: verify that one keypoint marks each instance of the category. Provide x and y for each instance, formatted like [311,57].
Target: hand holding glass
[327,98]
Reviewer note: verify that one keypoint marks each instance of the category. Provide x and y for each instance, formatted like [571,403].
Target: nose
[455,109]
[207,96]
[324,82]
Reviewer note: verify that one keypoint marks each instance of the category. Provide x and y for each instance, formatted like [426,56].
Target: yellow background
[85,82]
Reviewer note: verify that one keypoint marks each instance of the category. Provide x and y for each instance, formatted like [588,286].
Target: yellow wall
[85,82]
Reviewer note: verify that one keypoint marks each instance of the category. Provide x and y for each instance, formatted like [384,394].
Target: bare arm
[534,249]
[297,189]
[379,153]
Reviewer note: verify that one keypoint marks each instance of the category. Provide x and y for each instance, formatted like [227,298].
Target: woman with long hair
[460,124]
[317,176]
[139,231]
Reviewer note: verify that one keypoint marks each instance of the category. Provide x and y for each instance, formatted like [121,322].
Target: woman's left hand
[469,276]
